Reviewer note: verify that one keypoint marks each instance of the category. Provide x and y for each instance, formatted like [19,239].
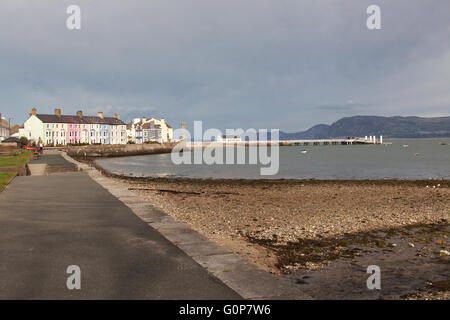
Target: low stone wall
[10,145]
[20,170]
[96,151]
[9,149]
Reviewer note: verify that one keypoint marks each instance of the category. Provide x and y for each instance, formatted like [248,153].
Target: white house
[4,129]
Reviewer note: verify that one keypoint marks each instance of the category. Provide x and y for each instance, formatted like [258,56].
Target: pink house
[73,132]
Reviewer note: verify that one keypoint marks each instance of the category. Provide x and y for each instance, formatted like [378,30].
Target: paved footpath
[48,223]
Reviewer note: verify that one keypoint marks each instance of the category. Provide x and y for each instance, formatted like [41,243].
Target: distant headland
[389,127]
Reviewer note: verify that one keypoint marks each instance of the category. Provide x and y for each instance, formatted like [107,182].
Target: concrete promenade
[50,222]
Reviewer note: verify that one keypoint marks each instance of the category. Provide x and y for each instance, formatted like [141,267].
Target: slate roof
[146,125]
[13,139]
[151,125]
[51,118]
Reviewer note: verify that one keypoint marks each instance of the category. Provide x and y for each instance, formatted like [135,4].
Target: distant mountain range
[388,127]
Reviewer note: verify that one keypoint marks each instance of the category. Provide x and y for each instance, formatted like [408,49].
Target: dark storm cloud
[252,63]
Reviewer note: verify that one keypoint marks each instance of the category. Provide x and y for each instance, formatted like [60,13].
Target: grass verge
[5,178]
[18,160]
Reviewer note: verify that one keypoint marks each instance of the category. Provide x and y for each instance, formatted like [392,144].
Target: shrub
[24,140]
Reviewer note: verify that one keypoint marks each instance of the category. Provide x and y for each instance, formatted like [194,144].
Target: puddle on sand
[404,269]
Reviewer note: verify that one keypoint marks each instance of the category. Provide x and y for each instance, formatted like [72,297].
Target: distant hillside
[388,127]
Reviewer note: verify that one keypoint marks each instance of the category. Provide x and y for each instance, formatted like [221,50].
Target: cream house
[141,130]
[166,129]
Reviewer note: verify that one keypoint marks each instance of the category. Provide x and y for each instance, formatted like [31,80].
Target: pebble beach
[293,227]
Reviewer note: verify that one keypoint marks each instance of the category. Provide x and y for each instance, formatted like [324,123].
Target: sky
[276,64]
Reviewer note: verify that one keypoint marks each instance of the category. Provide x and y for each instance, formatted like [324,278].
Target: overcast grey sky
[286,64]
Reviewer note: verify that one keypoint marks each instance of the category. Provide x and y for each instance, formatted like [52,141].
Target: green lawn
[5,178]
[19,160]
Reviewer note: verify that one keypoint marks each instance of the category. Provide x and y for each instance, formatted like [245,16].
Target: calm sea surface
[422,159]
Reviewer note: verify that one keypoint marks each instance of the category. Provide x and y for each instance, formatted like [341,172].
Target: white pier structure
[346,141]
[307,142]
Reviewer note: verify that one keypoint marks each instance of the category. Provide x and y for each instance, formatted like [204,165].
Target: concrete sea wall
[97,151]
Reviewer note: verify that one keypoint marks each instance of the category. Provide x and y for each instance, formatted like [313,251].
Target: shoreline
[215,181]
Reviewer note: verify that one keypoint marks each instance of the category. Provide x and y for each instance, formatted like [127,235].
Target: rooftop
[51,118]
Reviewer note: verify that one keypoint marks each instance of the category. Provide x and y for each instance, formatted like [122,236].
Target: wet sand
[322,234]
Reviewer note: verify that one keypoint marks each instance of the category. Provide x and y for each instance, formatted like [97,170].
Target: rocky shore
[292,228]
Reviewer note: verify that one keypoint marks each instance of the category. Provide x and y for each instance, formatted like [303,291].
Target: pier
[305,142]
[327,142]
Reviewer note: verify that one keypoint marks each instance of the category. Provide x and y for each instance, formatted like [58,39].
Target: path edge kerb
[244,277]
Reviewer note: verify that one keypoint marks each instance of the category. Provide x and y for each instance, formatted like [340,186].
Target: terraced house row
[58,129]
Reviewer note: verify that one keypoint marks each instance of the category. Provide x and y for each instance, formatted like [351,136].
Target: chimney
[58,112]
[100,114]
[33,111]
[117,116]
[80,114]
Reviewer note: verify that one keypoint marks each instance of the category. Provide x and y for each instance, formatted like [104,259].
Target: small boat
[443,143]
[303,151]
[405,146]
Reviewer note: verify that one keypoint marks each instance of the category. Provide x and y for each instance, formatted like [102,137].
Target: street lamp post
[9,126]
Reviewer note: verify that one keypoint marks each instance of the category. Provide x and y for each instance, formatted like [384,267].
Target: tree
[24,140]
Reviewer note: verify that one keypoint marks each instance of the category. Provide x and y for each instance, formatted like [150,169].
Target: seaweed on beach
[321,251]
